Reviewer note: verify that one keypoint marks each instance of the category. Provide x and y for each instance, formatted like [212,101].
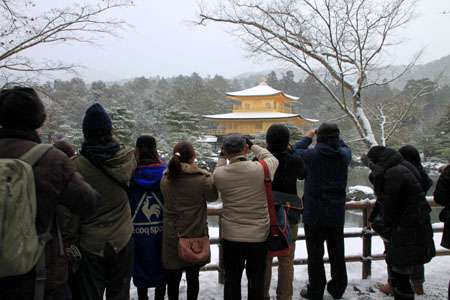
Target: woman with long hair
[146,203]
[186,189]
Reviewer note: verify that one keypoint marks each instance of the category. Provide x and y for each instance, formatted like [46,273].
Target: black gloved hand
[249,143]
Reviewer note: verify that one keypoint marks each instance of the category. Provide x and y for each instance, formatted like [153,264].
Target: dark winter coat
[406,213]
[327,169]
[426,182]
[185,209]
[111,222]
[146,203]
[56,183]
[290,169]
[442,196]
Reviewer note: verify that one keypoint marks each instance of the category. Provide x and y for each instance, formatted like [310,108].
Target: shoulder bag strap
[270,204]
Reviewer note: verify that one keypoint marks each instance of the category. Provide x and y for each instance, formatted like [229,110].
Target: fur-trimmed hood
[189,169]
[380,158]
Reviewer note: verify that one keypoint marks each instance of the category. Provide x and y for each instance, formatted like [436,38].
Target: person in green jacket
[105,239]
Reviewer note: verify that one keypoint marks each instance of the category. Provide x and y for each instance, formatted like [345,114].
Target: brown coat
[187,199]
[56,183]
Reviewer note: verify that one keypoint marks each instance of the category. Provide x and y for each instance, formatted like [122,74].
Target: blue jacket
[325,185]
[146,203]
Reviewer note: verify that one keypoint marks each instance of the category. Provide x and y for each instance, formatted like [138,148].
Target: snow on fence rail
[365,233]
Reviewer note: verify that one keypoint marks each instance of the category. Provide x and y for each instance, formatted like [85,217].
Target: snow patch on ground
[437,274]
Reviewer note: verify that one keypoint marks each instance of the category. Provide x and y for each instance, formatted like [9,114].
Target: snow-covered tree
[336,42]
[188,126]
[442,135]
[123,124]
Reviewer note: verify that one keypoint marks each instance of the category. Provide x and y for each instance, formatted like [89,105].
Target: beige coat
[244,217]
[185,210]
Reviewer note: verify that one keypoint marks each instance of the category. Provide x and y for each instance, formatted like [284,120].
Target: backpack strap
[269,195]
[40,269]
[31,157]
[35,153]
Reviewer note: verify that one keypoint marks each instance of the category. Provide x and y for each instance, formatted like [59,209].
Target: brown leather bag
[194,250]
[191,250]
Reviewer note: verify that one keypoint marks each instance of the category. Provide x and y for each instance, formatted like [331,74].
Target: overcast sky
[161,43]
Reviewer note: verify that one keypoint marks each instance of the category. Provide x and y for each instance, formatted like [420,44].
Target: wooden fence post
[367,246]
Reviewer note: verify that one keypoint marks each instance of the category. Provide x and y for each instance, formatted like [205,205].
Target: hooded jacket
[56,183]
[397,185]
[325,185]
[111,223]
[146,203]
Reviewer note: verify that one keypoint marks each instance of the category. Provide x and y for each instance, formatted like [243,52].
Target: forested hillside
[171,109]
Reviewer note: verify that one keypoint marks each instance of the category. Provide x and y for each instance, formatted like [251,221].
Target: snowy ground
[437,275]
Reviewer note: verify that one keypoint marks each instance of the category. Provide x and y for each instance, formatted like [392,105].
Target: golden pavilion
[261,106]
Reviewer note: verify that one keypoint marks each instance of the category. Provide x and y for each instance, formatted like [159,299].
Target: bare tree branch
[20,32]
[338,38]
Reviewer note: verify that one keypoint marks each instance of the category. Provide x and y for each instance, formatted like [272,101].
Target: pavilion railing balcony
[220,131]
[261,108]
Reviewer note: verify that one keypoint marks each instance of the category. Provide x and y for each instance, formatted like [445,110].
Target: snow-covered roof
[255,115]
[208,139]
[311,120]
[261,90]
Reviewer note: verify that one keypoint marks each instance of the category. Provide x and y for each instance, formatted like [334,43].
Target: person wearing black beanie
[96,121]
[22,114]
[21,108]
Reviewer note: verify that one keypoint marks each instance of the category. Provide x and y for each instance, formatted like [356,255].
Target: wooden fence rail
[365,234]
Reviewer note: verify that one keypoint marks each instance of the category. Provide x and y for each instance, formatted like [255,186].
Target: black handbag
[293,205]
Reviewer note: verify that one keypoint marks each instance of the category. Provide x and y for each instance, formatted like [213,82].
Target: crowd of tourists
[110,214]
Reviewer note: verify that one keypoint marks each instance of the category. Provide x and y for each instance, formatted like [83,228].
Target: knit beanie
[327,131]
[96,121]
[21,108]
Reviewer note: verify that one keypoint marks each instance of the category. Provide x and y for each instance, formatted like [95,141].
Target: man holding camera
[324,208]
[245,217]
